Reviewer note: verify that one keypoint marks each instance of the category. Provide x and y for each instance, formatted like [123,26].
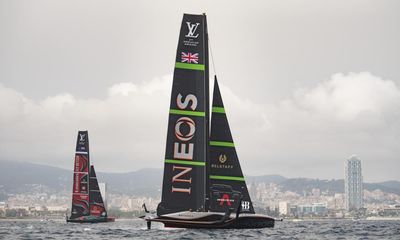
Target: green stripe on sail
[218,110]
[222,144]
[199,67]
[227,178]
[187,162]
[189,113]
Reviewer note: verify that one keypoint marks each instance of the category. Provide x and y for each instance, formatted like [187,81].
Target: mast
[187,136]
[207,104]
[80,190]
[227,184]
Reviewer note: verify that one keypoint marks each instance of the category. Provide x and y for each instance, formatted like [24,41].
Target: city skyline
[305,84]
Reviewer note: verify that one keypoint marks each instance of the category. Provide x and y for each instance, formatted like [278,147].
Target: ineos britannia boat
[203,184]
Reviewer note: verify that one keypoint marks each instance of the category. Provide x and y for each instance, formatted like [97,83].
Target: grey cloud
[309,134]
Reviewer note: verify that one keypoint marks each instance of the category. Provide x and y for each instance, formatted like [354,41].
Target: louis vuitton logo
[82,137]
[192,30]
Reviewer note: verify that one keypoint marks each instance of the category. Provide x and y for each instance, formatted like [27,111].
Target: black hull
[91,220]
[216,222]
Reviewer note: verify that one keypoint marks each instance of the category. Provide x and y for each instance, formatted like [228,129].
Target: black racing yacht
[203,183]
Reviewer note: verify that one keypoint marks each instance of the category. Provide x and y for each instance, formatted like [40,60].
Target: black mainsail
[227,183]
[187,137]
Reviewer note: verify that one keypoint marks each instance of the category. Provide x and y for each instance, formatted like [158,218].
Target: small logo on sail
[82,137]
[245,205]
[190,57]
[191,36]
[222,158]
[221,162]
[192,30]
[225,199]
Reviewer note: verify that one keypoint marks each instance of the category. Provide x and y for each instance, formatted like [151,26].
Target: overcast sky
[306,84]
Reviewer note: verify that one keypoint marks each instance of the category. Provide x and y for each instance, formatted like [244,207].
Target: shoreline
[284,219]
[343,219]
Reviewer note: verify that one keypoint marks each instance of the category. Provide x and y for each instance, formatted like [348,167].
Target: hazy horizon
[161,169]
[305,84]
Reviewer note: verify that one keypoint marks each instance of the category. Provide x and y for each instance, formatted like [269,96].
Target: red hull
[91,219]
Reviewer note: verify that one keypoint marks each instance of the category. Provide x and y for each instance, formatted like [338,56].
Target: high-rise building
[284,208]
[353,184]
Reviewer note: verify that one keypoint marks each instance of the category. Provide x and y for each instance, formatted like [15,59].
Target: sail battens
[217,177]
[187,162]
[218,110]
[188,113]
[80,152]
[222,144]
[190,66]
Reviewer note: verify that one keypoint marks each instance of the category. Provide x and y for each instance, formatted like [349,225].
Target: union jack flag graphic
[190,57]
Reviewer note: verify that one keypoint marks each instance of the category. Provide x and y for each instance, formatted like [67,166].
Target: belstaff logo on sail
[222,158]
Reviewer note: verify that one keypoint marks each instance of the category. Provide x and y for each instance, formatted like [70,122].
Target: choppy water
[136,229]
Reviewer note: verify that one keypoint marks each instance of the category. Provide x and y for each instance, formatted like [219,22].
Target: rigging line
[212,57]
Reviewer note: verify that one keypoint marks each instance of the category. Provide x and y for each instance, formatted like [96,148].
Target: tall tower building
[353,184]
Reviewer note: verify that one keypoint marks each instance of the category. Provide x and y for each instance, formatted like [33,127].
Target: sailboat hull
[91,220]
[210,220]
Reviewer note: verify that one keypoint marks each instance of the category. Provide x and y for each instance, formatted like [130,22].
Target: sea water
[136,229]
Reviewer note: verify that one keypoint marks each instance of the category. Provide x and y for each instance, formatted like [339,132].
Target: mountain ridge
[147,182]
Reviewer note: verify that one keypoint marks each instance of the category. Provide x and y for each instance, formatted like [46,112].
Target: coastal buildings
[284,208]
[353,184]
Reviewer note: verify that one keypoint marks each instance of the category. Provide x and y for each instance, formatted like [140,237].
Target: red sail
[80,190]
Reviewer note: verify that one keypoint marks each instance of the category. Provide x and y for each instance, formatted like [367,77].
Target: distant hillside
[144,182]
[300,185]
[266,179]
[17,177]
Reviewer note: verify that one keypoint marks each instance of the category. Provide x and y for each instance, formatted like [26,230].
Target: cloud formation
[345,97]
[309,134]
